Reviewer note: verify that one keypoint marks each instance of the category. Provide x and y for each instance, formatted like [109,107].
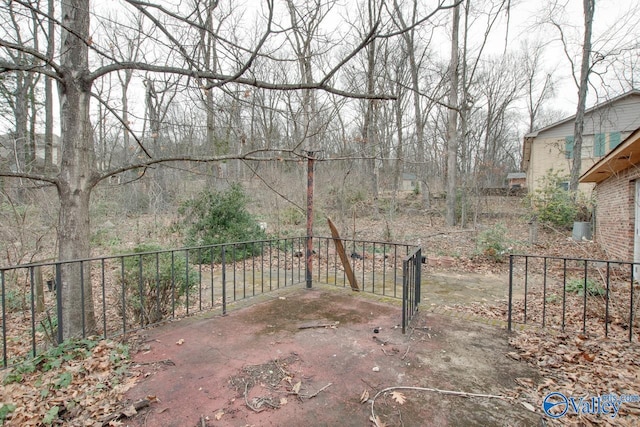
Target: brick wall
[615,214]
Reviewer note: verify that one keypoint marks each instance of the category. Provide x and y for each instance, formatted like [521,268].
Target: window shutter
[614,140]
[568,147]
[599,145]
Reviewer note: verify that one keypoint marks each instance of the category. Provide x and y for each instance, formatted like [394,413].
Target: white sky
[524,14]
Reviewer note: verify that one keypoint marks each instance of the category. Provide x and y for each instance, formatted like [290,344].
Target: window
[614,140]
[586,151]
[599,145]
[568,147]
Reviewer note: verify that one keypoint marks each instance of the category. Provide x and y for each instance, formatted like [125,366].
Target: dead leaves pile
[79,383]
[579,366]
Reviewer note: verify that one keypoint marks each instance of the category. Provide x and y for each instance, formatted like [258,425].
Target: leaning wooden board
[343,256]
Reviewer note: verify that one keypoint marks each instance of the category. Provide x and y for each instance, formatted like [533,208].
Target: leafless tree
[452,131]
[84,57]
[583,82]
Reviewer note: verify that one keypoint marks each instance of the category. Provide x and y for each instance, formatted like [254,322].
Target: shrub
[553,204]
[215,218]
[577,286]
[493,242]
[151,291]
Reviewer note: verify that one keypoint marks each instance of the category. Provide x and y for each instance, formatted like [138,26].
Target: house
[410,182]
[516,180]
[617,193]
[605,126]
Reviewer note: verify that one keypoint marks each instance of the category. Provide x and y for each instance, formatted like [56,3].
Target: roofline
[589,110]
[607,166]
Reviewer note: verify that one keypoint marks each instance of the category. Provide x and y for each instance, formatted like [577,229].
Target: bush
[215,218]
[576,286]
[554,205]
[493,242]
[151,292]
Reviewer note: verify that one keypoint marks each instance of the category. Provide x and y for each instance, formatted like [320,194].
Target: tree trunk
[452,131]
[48,90]
[576,166]
[77,172]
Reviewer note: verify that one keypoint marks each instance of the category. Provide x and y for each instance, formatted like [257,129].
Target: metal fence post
[404,295]
[309,251]
[510,293]
[224,282]
[59,302]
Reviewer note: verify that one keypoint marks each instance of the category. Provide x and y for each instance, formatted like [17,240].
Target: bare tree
[538,89]
[165,53]
[583,82]
[452,131]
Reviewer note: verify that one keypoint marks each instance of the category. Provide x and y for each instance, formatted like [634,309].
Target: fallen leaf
[218,415]
[529,406]
[514,355]
[296,388]
[398,397]
[129,411]
[283,401]
[180,341]
[364,396]
[525,382]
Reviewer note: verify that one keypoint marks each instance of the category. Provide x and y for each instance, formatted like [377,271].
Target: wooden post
[343,256]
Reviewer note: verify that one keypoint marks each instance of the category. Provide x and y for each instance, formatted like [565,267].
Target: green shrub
[150,292]
[493,242]
[576,286]
[215,218]
[553,204]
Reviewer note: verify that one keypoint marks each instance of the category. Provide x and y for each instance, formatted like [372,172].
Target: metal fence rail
[411,281]
[586,296]
[137,290]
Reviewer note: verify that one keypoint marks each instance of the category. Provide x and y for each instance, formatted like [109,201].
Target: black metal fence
[585,296]
[133,291]
[411,281]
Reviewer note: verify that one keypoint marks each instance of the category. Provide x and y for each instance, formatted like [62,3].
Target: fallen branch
[406,352]
[246,401]
[128,412]
[311,396]
[167,362]
[321,325]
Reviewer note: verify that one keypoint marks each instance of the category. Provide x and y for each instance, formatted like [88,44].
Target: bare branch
[122,122]
[6,66]
[31,176]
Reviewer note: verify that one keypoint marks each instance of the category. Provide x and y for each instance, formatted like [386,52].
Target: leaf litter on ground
[79,383]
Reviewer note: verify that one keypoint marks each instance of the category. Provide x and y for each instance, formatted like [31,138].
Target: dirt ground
[321,357]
